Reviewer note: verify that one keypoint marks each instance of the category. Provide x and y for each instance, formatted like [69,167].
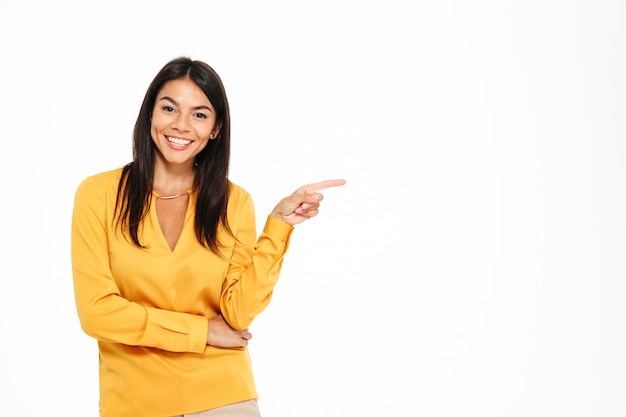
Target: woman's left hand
[304,203]
[220,334]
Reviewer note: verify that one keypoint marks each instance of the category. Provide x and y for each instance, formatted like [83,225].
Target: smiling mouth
[178,141]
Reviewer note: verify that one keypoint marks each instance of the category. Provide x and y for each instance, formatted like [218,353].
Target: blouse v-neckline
[172,229]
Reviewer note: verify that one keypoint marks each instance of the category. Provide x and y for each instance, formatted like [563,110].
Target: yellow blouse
[148,308]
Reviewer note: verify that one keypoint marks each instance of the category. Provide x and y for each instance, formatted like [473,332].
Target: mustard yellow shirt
[148,308]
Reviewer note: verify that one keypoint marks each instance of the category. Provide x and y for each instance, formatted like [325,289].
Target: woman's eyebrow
[200,107]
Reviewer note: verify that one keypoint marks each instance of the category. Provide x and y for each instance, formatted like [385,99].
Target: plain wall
[473,264]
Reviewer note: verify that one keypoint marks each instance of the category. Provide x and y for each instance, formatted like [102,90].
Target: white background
[473,264]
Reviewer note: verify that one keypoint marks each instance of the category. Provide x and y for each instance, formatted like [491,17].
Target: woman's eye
[201,115]
[168,109]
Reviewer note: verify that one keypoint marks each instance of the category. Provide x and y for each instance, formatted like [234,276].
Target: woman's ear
[215,132]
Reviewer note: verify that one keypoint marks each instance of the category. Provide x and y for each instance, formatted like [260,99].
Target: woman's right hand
[223,336]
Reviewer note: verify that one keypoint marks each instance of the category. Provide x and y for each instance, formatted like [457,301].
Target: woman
[168,271]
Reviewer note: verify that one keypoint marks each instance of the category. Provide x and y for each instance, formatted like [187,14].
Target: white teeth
[178,141]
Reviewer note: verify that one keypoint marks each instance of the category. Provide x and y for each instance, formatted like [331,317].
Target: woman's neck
[172,180]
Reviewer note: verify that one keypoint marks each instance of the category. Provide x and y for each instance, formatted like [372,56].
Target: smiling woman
[183,122]
[169,272]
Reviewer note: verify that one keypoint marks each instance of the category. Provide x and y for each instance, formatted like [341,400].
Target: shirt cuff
[277,229]
[198,332]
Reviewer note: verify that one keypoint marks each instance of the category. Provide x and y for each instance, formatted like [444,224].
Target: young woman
[168,270]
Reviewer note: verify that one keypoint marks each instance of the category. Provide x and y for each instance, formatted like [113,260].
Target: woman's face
[183,120]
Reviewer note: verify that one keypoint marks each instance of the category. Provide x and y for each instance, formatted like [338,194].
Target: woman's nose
[181,123]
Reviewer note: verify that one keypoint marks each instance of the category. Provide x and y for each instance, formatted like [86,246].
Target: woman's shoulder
[105,181]
[238,191]
[238,194]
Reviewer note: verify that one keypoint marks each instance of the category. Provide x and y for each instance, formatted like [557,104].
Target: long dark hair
[211,180]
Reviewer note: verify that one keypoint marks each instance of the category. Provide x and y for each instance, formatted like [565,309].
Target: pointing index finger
[323,185]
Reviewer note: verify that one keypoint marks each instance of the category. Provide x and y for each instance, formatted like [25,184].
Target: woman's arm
[256,263]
